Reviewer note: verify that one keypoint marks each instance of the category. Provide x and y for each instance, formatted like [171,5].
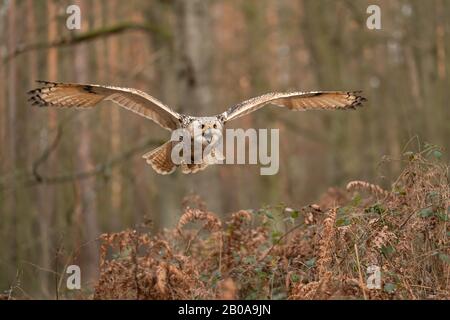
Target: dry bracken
[372,188]
[314,252]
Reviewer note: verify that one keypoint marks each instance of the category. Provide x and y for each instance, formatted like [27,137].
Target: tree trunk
[116,175]
[193,63]
[87,204]
[11,204]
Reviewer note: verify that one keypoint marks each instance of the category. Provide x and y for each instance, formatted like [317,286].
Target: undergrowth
[320,251]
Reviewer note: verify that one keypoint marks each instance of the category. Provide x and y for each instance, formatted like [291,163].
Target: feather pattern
[70,95]
[297,101]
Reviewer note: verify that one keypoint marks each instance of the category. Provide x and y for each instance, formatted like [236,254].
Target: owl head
[206,129]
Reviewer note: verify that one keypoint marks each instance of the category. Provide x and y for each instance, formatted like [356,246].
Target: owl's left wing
[298,101]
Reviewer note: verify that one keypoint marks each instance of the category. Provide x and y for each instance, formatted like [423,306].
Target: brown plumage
[69,95]
[52,94]
[299,101]
[160,158]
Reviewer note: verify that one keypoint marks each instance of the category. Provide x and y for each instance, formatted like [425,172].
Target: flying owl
[69,95]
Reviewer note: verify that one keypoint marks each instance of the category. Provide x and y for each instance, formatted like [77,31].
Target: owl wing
[71,95]
[317,100]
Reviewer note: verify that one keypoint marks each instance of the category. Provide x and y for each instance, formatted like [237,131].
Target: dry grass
[315,252]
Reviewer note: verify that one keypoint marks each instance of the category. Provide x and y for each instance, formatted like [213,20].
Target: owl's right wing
[52,94]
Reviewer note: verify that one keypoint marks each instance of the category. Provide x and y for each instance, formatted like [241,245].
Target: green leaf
[294,214]
[343,221]
[437,154]
[217,275]
[424,213]
[442,216]
[295,277]
[262,275]
[387,250]
[356,200]
[204,277]
[376,208]
[311,263]
[343,218]
[123,254]
[390,287]
[399,190]
[444,257]
[433,194]
[269,215]
[276,235]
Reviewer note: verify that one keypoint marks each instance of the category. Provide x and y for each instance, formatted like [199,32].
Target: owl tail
[193,168]
[160,159]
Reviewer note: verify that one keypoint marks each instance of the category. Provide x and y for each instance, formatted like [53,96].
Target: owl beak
[208,135]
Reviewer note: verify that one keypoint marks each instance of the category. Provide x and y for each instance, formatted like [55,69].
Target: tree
[87,203]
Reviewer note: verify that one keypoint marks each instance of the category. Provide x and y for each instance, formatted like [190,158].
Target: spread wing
[70,95]
[318,100]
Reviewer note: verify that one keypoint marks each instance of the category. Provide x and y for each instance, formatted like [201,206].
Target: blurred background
[67,176]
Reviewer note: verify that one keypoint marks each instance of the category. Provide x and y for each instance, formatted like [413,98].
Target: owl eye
[215,126]
[202,126]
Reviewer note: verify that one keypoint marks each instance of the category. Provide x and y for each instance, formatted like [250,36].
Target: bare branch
[46,154]
[87,36]
[101,168]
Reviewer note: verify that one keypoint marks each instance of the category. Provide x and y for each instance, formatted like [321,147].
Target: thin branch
[46,154]
[361,282]
[101,168]
[87,36]
[279,241]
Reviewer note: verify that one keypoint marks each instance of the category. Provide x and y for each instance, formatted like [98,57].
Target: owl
[203,129]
